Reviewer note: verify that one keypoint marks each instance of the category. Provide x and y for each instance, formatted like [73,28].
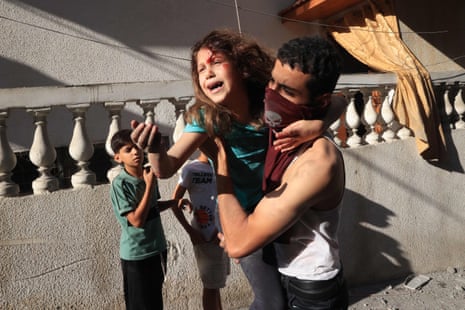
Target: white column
[388,117]
[352,122]
[448,106]
[180,105]
[114,110]
[81,148]
[334,131]
[459,106]
[370,116]
[403,132]
[42,154]
[7,161]
[148,107]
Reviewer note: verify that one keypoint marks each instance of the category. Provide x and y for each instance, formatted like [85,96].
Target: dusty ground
[444,291]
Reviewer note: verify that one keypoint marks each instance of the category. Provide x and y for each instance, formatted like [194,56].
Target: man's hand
[222,241]
[146,136]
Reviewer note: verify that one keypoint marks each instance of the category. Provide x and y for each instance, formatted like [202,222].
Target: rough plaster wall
[402,214]
[60,250]
[90,42]
[85,42]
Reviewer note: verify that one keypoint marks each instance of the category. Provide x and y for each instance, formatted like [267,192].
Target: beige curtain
[371,35]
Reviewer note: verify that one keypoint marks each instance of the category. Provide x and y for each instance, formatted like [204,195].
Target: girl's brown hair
[254,65]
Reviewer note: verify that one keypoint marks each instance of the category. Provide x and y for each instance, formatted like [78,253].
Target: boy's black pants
[143,282]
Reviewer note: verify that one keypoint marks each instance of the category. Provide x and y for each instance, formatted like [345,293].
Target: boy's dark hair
[252,61]
[120,139]
[315,56]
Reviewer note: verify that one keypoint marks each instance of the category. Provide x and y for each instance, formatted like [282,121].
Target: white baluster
[81,148]
[114,110]
[388,118]
[403,132]
[42,154]
[448,106]
[459,106]
[180,105]
[148,107]
[334,131]
[353,121]
[7,161]
[370,116]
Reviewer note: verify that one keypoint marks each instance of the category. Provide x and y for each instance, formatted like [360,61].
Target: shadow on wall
[14,74]
[451,162]
[438,23]
[135,24]
[366,252]
[133,28]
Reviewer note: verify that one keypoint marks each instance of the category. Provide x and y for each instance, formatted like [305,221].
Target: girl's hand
[146,136]
[297,133]
[223,245]
[185,204]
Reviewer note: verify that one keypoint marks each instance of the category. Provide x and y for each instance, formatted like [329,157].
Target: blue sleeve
[194,127]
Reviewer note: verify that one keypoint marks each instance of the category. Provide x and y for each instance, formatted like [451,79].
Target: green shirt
[136,243]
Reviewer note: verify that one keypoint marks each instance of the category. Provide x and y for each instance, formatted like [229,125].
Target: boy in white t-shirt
[198,179]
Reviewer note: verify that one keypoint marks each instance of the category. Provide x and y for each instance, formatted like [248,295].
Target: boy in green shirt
[134,196]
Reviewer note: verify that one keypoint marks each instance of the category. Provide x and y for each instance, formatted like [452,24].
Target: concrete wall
[60,251]
[115,41]
[401,215]
[433,32]
[86,42]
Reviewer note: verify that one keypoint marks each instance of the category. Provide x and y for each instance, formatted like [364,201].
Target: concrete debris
[451,270]
[416,282]
[438,290]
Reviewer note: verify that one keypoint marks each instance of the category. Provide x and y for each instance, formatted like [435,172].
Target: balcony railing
[369,120]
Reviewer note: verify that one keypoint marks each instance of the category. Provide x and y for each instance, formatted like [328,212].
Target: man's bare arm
[303,186]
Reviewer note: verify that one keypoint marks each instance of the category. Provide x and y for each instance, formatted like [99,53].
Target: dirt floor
[443,290]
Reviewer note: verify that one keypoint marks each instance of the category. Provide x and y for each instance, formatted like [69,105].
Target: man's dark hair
[315,56]
[120,139]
